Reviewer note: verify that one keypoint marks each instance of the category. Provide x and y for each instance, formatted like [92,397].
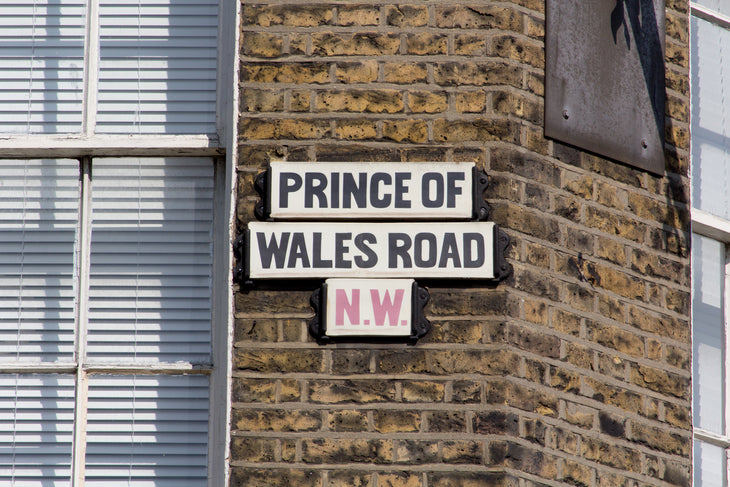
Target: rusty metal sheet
[604,83]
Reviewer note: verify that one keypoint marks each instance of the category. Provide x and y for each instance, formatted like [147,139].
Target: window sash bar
[78,462]
[710,15]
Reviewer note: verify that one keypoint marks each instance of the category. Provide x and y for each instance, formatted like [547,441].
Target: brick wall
[574,371]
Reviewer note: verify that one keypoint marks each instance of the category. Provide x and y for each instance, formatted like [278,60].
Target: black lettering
[398,246]
[361,241]
[449,251]
[437,200]
[288,183]
[401,189]
[317,261]
[298,251]
[341,249]
[453,189]
[311,189]
[272,249]
[478,260]
[335,190]
[418,251]
[351,189]
[375,200]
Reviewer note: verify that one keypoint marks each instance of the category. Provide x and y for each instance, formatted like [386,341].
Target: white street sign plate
[382,190]
[369,307]
[448,250]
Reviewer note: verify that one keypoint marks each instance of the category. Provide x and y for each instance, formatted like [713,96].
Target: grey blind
[151,258]
[147,430]
[41,65]
[708,277]
[36,429]
[710,57]
[157,71]
[38,221]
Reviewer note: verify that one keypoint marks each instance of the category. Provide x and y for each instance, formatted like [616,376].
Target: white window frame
[222,147]
[718,229]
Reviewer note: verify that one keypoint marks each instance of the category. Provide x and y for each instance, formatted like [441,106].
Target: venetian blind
[147,430]
[151,260]
[157,67]
[38,222]
[36,429]
[710,51]
[708,275]
[41,65]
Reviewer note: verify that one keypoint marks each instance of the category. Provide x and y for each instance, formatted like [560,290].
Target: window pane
[157,71]
[709,465]
[710,57]
[40,205]
[36,429]
[41,65]
[147,430]
[708,275]
[151,260]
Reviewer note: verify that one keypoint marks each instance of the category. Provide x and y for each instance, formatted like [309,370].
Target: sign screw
[644,144]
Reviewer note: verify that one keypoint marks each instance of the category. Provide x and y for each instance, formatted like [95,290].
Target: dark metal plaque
[605,78]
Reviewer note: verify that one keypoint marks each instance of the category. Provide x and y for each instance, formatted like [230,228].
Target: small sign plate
[369,307]
[366,190]
[450,250]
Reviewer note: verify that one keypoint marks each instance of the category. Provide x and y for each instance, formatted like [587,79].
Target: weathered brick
[350,361]
[344,478]
[446,421]
[362,101]
[247,477]
[616,338]
[426,44]
[469,44]
[289,15]
[477,74]
[396,421]
[346,450]
[660,381]
[357,72]
[351,391]
[359,44]
[427,101]
[406,15]
[470,101]
[466,391]
[279,360]
[406,130]
[496,422]
[400,479]
[462,452]
[356,129]
[416,452]
[348,420]
[577,474]
[405,73]
[253,449]
[660,439]
[350,15]
[478,17]
[423,391]
[276,420]
[262,45]
[296,73]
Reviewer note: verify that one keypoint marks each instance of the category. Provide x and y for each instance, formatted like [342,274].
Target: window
[710,104]
[116,148]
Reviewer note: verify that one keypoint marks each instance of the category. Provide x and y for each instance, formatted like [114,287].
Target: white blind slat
[147,427]
[150,268]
